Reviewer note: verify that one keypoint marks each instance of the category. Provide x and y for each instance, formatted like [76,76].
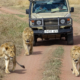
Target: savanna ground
[11,28]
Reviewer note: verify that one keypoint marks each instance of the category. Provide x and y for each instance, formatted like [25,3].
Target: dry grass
[74,2]
[22,2]
[14,2]
[11,29]
[52,67]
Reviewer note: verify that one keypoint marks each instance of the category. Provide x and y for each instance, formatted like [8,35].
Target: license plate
[50,31]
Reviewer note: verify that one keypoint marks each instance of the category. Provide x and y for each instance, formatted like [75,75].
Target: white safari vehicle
[51,19]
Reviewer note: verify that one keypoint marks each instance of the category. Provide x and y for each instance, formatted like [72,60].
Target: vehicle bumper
[52,24]
[59,31]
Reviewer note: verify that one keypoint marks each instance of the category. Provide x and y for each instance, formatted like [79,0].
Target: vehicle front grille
[51,21]
[50,27]
[51,24]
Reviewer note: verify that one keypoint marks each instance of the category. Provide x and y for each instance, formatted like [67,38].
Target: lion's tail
[20,65]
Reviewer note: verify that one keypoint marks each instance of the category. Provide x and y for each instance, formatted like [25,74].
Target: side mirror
[72,9]
[27,11]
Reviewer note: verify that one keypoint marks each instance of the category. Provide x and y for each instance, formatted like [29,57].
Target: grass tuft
[52,67]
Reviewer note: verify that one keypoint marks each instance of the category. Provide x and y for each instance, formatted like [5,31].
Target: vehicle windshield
[50,6]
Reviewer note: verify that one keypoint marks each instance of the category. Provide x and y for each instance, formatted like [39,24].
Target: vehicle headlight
[62,21]
[35,22]
[38,22]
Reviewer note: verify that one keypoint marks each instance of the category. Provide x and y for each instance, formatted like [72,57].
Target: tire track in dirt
[4,10]
[10,11]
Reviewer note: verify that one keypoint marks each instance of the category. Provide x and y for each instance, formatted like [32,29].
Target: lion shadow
[37,53]
[19,71]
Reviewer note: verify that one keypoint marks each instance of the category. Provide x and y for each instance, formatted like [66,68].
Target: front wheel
[70,38]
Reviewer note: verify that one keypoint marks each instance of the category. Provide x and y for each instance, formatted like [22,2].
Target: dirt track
[9,11]
[35,62]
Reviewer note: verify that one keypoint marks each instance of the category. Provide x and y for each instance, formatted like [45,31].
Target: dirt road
[9,11]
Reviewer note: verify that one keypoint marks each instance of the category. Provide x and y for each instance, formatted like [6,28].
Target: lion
[28,37]
[75,56]
[8,51]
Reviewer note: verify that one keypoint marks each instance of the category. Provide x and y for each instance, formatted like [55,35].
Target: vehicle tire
[66,37]
[35,40]
[70,38]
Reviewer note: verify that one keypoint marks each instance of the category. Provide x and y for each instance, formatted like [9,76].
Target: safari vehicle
[51,19]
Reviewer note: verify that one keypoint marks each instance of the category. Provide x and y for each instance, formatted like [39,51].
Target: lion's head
[75,54]
[28,36]
[9,51]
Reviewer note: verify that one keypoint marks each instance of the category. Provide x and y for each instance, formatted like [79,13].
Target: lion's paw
[7,71]
[73,72]
[26,54]
[77,74]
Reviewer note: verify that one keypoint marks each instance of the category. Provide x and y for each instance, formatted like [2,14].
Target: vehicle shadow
[52,42]
[77,40]
[58,41]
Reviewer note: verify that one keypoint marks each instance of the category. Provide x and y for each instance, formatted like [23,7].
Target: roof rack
[36,0]
[42,0]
